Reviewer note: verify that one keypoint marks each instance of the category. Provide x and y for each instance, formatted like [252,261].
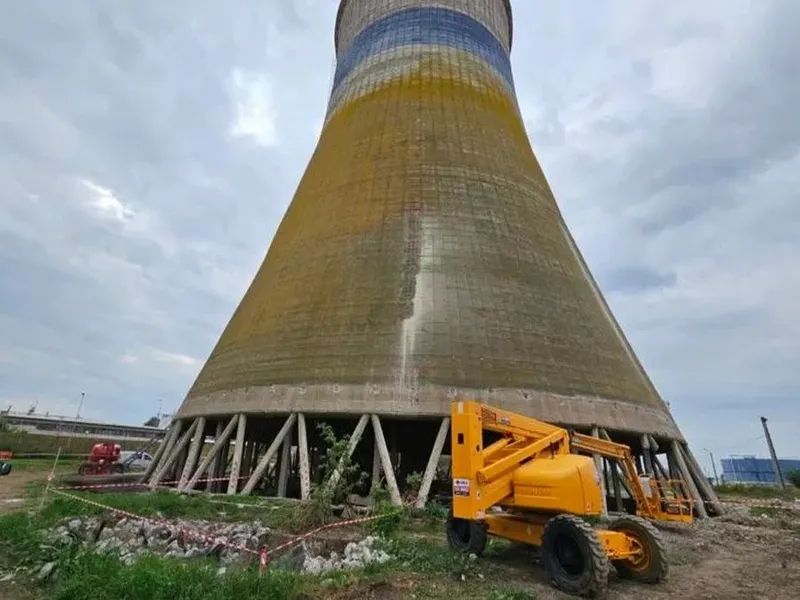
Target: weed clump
[756,491]
[330,491]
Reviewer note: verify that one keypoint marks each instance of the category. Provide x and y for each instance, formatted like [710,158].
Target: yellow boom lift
[532,486]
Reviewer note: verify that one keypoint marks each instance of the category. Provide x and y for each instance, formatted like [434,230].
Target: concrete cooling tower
[423,257]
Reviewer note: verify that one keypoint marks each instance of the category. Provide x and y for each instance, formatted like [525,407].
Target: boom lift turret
[532,486]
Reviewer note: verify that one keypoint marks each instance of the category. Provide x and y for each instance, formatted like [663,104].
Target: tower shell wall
[423,255]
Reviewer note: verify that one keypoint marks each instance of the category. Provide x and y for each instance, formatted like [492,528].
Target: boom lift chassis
[532,486]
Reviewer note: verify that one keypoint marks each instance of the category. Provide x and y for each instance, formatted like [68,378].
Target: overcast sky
[149,149]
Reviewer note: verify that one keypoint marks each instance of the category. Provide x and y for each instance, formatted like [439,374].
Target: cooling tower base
[286,456]
[431,401]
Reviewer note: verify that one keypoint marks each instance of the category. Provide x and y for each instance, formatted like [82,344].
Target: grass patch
[511,594]
[43,464]
[163,504]
[775,512]
[426,557]
[26,442]
[758,491]
[18,531]
[90,577]
[166,504]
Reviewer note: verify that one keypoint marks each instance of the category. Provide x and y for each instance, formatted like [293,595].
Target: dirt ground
[12,488]
[739,556]
[12,496]
[750,553]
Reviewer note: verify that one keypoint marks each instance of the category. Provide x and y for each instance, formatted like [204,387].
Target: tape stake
[262,561]
[49,480]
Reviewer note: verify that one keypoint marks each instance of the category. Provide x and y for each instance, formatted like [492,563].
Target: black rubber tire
[82,469]
[654,567]
[574,558]
[466,536]
[117,468]
[5,468]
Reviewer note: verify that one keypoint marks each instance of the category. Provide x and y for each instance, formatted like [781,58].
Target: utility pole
[713,466]
[775,464]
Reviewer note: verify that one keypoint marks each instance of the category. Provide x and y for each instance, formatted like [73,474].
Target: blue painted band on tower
[429,27]
[343,5]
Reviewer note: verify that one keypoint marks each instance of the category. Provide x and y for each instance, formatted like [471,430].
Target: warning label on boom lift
[461,487]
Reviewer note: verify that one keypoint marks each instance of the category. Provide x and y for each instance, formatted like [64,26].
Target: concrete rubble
[356,555]
[131,538]
[232,544]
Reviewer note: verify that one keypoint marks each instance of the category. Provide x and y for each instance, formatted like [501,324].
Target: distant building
[749,469]
[58,425]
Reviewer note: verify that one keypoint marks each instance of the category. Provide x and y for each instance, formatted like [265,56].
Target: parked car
[137,460]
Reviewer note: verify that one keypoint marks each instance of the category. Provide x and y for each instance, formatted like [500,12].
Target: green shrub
[414,482]
[324,495]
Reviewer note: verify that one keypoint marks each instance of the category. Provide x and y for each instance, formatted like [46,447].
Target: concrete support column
[391,482]
[433,463]
[258,473]
[233,480]
[214,457]
[305,468]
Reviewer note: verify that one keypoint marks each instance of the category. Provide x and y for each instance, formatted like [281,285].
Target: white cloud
[106,204]
[175,358]
[255,114]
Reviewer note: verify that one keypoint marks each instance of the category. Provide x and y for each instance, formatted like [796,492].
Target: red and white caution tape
[129,484]
[335,525]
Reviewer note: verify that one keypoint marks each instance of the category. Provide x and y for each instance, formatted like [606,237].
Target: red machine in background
[103,460]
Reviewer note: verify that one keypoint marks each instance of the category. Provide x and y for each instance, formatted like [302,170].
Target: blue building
[749,469]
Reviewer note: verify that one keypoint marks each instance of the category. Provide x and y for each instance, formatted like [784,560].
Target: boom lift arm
[668,500]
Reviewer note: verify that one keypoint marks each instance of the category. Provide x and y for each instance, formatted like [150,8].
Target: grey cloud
[637,278]
[697,185]
[749,122]
[137,100]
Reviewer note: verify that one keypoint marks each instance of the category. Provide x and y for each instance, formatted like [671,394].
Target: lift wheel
[574,558]
[464,535]
[650,564]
